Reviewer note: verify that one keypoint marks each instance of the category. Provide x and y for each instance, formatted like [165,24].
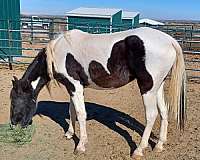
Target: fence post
[167,29]
[185,34]
[9,44]
[31,30]
[51,29]
[191,31]
[107,29]
[182,43]
[88,28]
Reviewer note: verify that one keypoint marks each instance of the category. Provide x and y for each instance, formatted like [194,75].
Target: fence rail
[34,36]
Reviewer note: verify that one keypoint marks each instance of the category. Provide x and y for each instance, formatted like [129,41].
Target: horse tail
[177,88]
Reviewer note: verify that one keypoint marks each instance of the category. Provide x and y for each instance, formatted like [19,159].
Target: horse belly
[105,84]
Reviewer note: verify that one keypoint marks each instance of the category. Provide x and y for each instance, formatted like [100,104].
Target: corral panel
[10,20]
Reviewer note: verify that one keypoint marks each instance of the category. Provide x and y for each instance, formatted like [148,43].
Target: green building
[93,20]
[100,20]
[130,19]
[10,41]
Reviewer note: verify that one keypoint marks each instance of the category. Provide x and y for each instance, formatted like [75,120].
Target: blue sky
[157,9]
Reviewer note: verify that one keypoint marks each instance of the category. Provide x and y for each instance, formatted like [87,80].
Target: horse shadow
[59,111]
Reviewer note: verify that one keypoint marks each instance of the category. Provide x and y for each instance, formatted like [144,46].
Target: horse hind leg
[150,103]
[164,119]
[71,130]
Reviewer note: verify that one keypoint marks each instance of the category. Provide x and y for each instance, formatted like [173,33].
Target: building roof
[129,15]
[150,21]
[93,12]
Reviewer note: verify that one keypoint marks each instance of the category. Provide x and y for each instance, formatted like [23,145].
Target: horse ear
[14,82]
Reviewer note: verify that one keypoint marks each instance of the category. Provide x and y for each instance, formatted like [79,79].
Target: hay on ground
[16,135]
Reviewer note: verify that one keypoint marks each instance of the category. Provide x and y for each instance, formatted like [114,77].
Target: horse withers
[105,61]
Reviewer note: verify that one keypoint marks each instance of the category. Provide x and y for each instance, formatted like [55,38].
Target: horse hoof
[69,135]
[78,152]
[158,149]
[137,157]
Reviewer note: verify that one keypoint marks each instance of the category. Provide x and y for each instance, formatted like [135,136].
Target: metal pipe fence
[34,35]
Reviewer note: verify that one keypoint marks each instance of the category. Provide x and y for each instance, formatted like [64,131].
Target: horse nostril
[31,121]
[13,122]
[17,118]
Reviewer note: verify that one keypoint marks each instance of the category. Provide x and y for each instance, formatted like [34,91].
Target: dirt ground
[115,125]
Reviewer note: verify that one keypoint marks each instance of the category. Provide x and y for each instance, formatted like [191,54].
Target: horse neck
[36,73]
[32,72]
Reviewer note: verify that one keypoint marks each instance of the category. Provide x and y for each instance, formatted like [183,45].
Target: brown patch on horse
[127,62]
[136,61]
[75,70]
[117,66]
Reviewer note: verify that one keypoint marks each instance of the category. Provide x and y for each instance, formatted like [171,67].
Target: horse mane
[50,60]
[51,53]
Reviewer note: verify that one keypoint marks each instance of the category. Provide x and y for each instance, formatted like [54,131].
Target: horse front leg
[79,105]
[150,103]
[72,120]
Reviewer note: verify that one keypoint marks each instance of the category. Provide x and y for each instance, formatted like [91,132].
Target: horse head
[23,103]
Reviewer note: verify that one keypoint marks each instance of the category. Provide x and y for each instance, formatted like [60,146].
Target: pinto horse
[105,61]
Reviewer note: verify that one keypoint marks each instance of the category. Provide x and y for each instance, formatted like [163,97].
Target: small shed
[94,20]
[130,19]
[10,36]
[150,22]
